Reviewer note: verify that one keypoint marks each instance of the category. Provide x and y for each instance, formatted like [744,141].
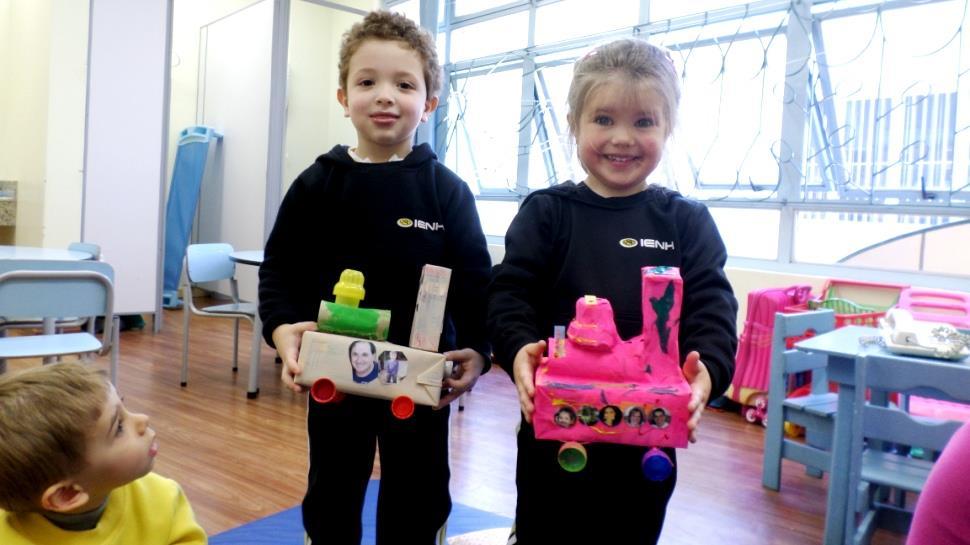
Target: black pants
[607,502]
[413,502]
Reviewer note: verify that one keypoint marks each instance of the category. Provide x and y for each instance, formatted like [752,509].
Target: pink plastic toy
[753,360]
[595,387]
[926,305]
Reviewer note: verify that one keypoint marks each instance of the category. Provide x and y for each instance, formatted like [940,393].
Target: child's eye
[645,122]
[365,82]
[602,120]
[120,428]
[406,85]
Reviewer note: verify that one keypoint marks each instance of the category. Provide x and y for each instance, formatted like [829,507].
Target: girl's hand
[700,390]
[468,367]
[524,371]
[287,339]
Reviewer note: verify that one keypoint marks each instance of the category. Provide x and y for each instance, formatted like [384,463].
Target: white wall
[187,19]
[234,41]
[25,30]
[315,121]
[127,121]
[65,124]
[235,99]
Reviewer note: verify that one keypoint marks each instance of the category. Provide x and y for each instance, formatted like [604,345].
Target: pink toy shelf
[595,387]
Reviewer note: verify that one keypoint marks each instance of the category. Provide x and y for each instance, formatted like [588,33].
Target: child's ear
[429,106]
[63,496]
[342,99]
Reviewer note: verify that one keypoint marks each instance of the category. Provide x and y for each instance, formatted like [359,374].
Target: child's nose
[384,95]
[141,422]
[622,135]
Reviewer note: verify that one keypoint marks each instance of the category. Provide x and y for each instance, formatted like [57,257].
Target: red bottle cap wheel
[402,407]
[324,390]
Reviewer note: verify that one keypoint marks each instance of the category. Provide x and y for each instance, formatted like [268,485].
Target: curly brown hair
[384,25]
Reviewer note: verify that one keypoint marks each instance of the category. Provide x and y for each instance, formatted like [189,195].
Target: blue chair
[882,467]
[209,263]
[32,290]
[95,251]
[815,412]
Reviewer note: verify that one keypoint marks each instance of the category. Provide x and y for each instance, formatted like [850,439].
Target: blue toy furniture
[815,412]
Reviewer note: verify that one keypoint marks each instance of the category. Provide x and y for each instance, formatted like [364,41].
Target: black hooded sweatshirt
[567,242]
[386,220]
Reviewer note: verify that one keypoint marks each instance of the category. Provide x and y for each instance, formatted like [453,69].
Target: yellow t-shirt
[151,510]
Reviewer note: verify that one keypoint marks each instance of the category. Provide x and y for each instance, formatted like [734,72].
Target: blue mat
[286,527]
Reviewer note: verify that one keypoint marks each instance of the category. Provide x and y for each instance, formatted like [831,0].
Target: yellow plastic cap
[350,289]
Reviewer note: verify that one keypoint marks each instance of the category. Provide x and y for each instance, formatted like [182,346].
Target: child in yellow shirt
[75,466]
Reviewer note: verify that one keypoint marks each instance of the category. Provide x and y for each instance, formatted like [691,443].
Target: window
[834,134]
[483,120]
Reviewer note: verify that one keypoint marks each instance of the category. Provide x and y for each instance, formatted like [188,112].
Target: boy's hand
[287,339]
[468,367]
[700,389]
[524,372]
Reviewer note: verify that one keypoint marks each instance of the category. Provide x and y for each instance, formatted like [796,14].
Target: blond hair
[631,58]
[46,414]
[384,25]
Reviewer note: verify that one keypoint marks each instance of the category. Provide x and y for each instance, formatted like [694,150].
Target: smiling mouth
[153,449]
[621,158]
[383,118]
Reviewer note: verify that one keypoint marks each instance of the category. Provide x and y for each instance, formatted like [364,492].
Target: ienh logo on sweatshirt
[646,243]
[409,223]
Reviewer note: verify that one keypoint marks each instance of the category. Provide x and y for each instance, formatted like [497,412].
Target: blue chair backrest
[209,262]
[796,325]
[935,379]
[52,296]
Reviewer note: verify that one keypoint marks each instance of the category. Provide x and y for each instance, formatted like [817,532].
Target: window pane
[726,143]
[552,156]
[482,39]
[574,18]
[667,9]
[748,232]
[496,216]
[466,7]
[884,241]
[409,8]
[483,121]
[894,116]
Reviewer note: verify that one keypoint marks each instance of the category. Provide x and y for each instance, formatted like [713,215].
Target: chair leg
[184,378]
[253,390]
[49,329]
[813,472]
[235,345]
[771,466]
[115,347]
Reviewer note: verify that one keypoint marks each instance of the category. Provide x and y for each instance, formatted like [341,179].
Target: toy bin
[854,302]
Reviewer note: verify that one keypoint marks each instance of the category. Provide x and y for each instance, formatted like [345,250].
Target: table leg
[253,390]
[836,507]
